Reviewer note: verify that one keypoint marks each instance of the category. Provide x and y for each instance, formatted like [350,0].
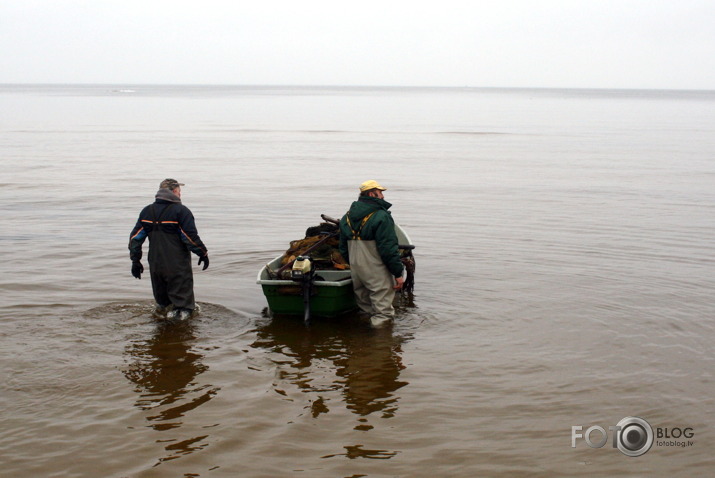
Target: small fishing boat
[310,291]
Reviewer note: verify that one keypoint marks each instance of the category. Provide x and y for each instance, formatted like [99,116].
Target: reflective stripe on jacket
[171,218]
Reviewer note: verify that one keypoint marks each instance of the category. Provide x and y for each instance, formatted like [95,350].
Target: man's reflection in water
[364,363]
[165,369]
[371,369]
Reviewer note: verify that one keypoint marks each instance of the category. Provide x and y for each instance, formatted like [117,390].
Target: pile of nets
[321,243]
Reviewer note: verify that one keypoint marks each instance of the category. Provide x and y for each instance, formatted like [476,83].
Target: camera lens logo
[634,436]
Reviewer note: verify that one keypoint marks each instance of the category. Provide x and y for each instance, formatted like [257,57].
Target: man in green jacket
[369,243]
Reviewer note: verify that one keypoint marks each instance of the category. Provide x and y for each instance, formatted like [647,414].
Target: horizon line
[289,85]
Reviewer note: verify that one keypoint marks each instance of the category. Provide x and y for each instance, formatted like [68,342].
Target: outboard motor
[303,271]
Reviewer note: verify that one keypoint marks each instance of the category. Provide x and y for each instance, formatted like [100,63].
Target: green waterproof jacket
[379,227]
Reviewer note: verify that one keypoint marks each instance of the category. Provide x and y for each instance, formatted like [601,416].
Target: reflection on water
[341,358]
[357,451]
[165,369]
[371,368]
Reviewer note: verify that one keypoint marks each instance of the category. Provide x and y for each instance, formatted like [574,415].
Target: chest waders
[172,278]
[372,281]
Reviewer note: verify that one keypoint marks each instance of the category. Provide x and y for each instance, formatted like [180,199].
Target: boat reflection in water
[341,359]
[165,369]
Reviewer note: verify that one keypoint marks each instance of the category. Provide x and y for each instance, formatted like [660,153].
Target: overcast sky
[509,43]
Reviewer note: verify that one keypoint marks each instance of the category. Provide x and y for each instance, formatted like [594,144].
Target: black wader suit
[172,234]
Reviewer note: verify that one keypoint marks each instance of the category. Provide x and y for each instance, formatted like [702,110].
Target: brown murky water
[564,278]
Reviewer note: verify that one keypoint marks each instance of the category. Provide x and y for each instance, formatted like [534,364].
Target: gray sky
[510,43]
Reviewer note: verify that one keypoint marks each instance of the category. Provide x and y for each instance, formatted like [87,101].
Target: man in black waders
[172,234]
[369,243]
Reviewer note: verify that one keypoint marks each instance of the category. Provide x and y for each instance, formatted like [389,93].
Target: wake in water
[120,312]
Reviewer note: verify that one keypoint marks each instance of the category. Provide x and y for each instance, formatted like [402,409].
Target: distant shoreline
[128,88]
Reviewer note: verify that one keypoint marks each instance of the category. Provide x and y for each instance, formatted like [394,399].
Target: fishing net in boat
[326,255]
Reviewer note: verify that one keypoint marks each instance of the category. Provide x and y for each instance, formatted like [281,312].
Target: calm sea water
[564,278]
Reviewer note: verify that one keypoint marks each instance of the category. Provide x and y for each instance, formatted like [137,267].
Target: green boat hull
[324,301]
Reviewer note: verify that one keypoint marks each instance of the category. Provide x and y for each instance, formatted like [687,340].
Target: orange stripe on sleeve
[189,239]
[138,232]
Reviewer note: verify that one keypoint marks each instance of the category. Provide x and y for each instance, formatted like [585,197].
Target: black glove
[205,260]
[137,269]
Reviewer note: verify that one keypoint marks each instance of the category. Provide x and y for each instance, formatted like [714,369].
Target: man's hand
[398,283]
[205,260]
[137,269]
